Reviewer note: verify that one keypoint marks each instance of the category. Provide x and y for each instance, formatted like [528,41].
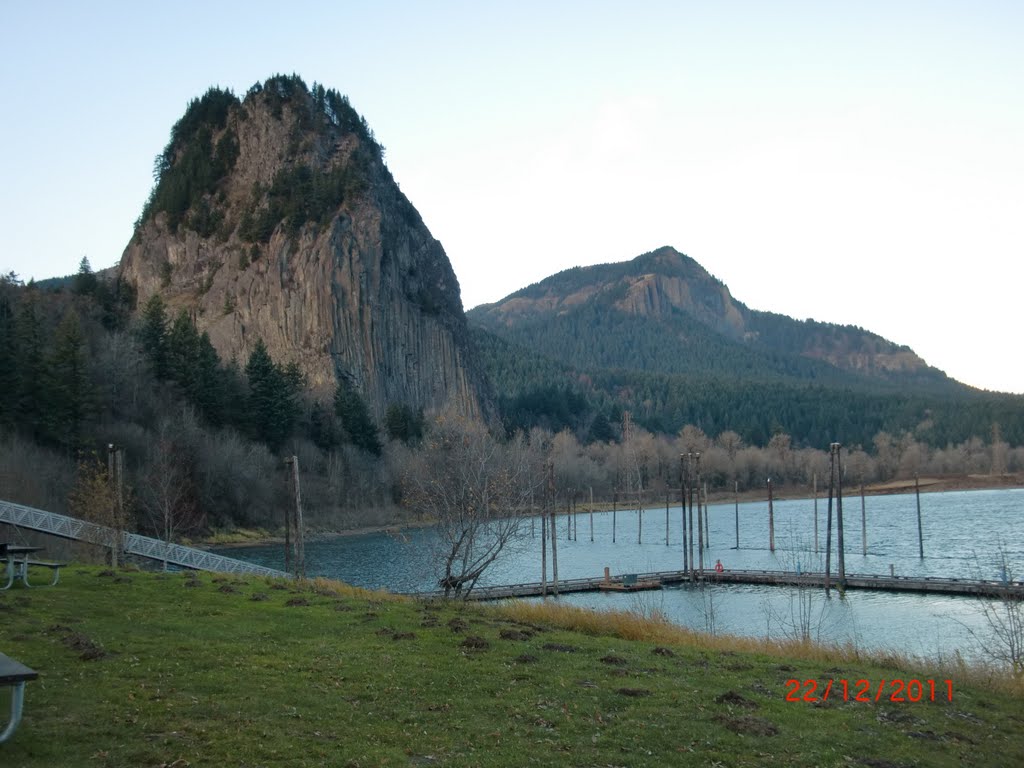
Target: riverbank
[260,537]
[317,674]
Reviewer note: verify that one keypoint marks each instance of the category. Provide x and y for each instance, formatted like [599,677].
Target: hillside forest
[204,439]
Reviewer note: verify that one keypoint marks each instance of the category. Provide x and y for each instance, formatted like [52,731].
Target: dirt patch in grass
[259,597]
[560,647]
[297,602]
[748,725]
[526,658]
[616,661]
[458,625]
[87,649]
[476,643]
[634,693]
[515,634]
[734,699]
[228,589]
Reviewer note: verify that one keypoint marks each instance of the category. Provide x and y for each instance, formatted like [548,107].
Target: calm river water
[964,533]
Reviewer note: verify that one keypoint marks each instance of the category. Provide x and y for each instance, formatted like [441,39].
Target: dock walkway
[924,584]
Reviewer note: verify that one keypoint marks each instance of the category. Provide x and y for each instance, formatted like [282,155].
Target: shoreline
[891,487]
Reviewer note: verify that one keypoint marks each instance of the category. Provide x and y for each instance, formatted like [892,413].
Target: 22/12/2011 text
[896,690]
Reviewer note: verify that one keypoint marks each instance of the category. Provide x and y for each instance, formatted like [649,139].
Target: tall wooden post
[119,471]
[700,526]
[115,512]
[771,518]
[689,492]
[666,518]
[736,498]
[300,544]
[615,504]
[554,556]
[839,517]
[863,522]
[639,519]
[288,557]
[816,549]
[828,524]
[554,536]
[568,520]
[707,519]
[591,514]
[682,503]
[544,552]
[920,533]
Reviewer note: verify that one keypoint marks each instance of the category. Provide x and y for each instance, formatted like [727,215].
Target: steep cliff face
[275,218]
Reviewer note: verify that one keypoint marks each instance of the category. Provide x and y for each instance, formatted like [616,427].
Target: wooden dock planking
[654,580]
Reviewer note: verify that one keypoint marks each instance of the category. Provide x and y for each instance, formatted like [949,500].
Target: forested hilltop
[661,338]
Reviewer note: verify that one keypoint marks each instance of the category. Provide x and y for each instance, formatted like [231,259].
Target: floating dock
[659,579]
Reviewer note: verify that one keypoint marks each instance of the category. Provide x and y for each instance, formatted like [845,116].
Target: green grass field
[141,669]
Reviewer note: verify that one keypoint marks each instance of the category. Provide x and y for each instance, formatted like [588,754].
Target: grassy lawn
[140,669]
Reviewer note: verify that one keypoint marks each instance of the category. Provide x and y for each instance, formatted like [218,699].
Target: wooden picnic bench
[15,674]
[17,562]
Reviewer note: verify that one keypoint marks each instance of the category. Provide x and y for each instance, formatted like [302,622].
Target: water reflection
[963,534]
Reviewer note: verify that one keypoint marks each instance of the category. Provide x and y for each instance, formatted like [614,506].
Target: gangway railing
[131,543]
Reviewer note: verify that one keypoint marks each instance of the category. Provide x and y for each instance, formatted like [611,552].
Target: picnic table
[16,560]
[15,674]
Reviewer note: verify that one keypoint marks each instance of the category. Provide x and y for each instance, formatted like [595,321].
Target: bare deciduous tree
[167,491]
[95,498]
[1004,618]
[476,490]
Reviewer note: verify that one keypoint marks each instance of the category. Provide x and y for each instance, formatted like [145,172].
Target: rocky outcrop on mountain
[274,217]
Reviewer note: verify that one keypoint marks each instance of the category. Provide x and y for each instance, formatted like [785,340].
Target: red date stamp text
[896,690]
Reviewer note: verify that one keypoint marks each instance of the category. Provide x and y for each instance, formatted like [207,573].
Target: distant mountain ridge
[663,312]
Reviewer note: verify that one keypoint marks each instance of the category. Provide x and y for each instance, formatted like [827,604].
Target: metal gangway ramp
[131,543]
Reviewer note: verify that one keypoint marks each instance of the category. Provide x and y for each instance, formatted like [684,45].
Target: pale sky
[852,162]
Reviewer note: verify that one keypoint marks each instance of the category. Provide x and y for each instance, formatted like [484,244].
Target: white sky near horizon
[856,163]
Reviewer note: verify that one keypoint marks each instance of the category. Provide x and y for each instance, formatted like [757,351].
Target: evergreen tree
[403,423]
[182,353]
[29,365]
[153,335]
[234,395]
[323,427]
[601,430]
[70,395]
[8,353]
[85,281]
[272,406]
[209,382]
[355,418]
